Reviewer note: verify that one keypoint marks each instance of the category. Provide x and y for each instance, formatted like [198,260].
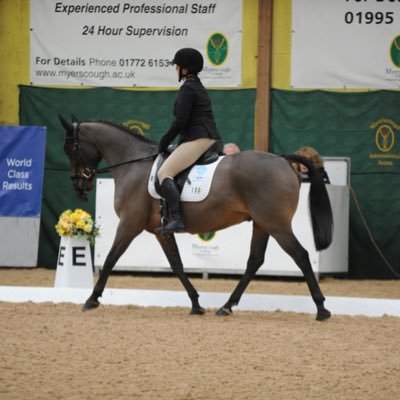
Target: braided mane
[127,130]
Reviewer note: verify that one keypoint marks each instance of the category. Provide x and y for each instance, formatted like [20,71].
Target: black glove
[163,145]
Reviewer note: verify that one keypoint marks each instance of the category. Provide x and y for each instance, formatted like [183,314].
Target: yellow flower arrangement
[77,223]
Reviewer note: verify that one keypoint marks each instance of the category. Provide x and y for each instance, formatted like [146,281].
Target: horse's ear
[74,118]
[66,125]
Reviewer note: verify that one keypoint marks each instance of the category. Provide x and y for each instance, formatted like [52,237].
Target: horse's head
[83,157]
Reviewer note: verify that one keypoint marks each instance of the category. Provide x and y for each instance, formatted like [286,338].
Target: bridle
[85,174]
[78,172]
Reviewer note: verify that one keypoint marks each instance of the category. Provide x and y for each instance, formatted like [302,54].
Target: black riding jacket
[194,118]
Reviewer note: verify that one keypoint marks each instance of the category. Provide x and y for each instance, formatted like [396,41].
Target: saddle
[209,157]
[193,183]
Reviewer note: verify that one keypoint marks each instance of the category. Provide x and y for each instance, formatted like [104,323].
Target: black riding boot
[171,194]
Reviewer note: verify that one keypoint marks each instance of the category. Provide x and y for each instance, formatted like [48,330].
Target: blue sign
[22,151]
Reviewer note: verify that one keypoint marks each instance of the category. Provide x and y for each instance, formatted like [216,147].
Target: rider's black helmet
[189,58]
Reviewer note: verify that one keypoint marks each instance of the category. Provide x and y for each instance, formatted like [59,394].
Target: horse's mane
[126,130]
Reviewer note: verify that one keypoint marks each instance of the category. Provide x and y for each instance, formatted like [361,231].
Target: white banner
[345,44]
[113,43]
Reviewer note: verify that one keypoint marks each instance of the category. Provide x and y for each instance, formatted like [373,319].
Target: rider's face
[184,71]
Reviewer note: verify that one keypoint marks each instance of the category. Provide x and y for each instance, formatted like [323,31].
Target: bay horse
[251,185]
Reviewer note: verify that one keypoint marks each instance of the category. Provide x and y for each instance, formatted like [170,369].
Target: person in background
[316,159]
[231,148]
[194,123]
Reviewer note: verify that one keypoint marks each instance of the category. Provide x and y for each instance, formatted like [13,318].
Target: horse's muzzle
[81,194]
[82,186]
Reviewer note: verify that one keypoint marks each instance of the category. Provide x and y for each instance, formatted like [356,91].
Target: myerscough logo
[137,126]
[217,48]
[395,51]
[384,138]
[207,236]
[386,150]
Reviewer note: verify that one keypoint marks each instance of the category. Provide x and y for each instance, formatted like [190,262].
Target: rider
[194,122]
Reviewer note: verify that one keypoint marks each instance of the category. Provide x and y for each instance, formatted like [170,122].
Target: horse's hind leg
[170,248]
[291,245]
[258,245]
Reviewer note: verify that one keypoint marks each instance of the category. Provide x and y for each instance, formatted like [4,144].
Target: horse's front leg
[122,240]
[170,248]
[258,246]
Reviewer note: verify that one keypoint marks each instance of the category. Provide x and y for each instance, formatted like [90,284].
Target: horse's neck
[117,146]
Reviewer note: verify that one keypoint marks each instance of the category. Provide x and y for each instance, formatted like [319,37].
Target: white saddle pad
[196,187]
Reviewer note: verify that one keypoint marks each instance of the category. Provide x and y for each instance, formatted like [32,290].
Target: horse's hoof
[223,311]
[198,311]
[323,315]
[90,305]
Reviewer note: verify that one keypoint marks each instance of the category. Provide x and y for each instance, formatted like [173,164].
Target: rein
[107,169]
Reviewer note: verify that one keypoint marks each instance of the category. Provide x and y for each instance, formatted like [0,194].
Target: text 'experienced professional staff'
[127,8]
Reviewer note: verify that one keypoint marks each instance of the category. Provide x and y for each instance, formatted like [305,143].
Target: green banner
[365,127]
[147,112]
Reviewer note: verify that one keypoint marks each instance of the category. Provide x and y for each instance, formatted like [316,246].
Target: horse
[249,186]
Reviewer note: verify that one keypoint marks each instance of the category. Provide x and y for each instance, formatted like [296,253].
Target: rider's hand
[163,145]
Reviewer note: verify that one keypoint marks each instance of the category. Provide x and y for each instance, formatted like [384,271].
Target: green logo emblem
[137,126]
[207,236]
[217,48]
[395,51]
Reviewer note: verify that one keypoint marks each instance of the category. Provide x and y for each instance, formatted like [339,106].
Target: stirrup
[175,226]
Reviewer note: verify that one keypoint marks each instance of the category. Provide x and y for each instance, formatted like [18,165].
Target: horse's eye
[68,148]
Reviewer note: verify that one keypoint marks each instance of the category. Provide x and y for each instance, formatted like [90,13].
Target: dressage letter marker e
[74,265]
[61,256]
[77,253]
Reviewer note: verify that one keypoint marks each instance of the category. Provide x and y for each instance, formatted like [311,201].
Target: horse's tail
[319,204]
